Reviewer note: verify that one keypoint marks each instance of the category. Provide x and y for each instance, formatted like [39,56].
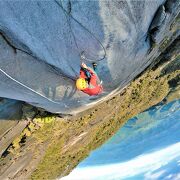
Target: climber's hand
[84,65]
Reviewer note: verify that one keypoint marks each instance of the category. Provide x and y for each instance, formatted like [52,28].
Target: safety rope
[80,52]
[9,76]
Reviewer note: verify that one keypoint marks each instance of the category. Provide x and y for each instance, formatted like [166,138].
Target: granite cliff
[41,42]
[136,46]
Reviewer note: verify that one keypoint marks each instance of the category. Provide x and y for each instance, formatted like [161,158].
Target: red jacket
[94,88]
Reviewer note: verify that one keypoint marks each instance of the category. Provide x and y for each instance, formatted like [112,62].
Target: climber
[88,81]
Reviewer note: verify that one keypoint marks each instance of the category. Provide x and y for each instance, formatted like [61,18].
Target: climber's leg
[94,66]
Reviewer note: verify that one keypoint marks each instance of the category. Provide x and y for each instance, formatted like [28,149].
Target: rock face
[41,42]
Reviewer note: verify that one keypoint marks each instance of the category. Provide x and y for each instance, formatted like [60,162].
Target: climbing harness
[81,53]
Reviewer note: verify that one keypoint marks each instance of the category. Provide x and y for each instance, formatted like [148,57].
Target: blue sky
[147,147]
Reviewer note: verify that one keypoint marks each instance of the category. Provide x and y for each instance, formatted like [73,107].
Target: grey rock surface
[41,42]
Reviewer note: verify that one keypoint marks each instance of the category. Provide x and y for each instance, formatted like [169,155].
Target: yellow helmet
[81,84]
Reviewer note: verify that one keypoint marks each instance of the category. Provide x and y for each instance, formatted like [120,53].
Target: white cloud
[173,176]
[176,177]
[178,163]
[146,163]
[152,176]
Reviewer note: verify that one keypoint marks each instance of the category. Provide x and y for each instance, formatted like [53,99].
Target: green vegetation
[71,141]
[164,43]
[27,132]
[175,24]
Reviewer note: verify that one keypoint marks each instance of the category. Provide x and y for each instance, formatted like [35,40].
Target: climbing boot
[94,65]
